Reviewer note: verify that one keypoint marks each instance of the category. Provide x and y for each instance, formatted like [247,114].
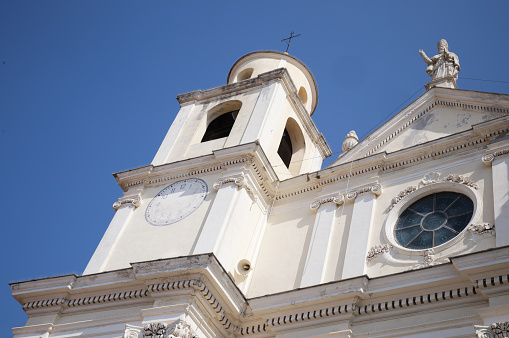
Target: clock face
[176,201]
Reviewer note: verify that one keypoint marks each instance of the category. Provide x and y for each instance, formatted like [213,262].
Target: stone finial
[443,67]
[350,141]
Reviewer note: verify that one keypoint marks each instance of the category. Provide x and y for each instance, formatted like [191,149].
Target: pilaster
[224,223]
[360,229]
[319,248]
[124,208]
[499,161]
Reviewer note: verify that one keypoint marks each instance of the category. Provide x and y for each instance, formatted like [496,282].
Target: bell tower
[211,184]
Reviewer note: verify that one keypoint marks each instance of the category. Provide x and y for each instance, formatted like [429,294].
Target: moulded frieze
[336,199]
[135,201]
[495,330]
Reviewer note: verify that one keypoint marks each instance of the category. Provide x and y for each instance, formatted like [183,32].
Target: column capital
[336,199]
[374,188]
[489,158]
[133,200]
[240,180]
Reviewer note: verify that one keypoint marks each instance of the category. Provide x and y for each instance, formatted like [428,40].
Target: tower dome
[253,64]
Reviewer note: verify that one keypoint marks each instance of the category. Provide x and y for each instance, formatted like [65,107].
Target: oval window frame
[413,197]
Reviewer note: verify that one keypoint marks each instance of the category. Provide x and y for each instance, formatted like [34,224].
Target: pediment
[438,113]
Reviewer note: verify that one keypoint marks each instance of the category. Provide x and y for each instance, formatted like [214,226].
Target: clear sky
[88,88]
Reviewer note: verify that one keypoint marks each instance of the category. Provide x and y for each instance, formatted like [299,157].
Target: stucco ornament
[443,67]
[132,331]
[377,250]
[495,330]
[350,141]
[400,196]
[181,330]
[482,228]
[134,201]
[155,330]
[430,178]
[338,200]
[460,179]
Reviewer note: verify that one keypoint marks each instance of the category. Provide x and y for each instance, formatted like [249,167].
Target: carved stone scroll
[237,180]
[134,201]
[132,331]
[489,158]
[338,200]
[240,181]
[374,188]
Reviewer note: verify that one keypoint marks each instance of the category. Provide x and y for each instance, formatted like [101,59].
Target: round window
[433,220]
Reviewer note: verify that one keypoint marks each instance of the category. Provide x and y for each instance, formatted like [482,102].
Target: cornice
[461,143]
[257,172]
[451,284]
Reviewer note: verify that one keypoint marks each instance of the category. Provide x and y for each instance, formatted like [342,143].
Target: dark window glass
[285,149]
[220,127]
[433,220]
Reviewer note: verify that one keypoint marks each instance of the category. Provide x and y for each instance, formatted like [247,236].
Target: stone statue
[443,67]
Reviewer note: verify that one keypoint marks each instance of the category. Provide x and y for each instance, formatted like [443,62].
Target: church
[235,229]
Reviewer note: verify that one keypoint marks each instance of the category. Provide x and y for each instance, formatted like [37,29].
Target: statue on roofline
[443,67]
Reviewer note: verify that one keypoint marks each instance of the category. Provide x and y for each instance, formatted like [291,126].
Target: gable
[438,113]
[437,123]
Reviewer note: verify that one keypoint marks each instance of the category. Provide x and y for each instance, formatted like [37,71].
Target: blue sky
[88,88]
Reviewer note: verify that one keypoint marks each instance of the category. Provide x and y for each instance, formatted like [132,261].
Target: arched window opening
[303,95]
[220,127]
[285,150]
[245,74]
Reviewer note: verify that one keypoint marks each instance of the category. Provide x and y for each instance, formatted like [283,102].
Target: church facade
[235,230]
